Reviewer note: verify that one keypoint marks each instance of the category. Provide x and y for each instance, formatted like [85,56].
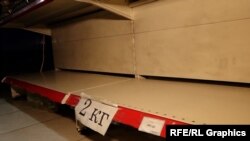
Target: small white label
[152,126]
[14,93]
[3,80]
[95,115]
[65,98]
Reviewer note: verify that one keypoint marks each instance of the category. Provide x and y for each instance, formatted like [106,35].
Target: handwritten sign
[95,115]
[152,126]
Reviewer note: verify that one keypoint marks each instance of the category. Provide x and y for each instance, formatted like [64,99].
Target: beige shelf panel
[68,82]
[188,102]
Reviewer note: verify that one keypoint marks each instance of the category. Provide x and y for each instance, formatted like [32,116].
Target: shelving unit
[174,102]
[147,38]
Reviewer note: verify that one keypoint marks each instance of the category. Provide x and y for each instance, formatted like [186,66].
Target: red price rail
[173,102]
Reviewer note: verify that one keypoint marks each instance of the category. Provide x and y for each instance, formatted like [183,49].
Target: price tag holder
[95,115]
[151,125]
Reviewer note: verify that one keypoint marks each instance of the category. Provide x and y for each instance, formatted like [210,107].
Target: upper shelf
[119,7]
[11,10]
[37,15]
[41,13]
[52,11]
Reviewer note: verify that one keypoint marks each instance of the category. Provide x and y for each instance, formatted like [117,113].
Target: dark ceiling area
[8,7]
[11,8]
[27,13]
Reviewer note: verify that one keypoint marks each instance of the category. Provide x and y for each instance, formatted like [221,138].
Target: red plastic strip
[124,115]
[130,117]
[133,118]
[50,94]
[73,100]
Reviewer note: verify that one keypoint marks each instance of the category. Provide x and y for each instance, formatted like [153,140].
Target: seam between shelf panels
[107,84]
[133,48]
[93,38]
[191,25]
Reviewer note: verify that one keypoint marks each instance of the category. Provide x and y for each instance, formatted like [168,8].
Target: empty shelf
[174,102]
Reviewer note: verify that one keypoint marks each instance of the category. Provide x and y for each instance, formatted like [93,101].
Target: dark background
[21,51]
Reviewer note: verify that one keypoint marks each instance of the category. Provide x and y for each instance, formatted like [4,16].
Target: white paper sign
[152,126]
[95,115]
